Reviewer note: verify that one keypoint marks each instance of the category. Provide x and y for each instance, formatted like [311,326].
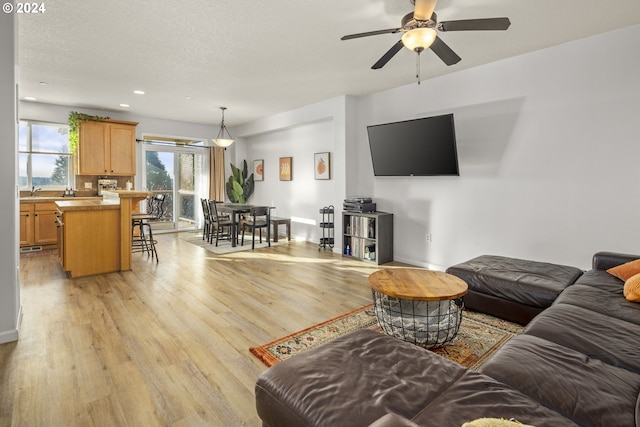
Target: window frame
[29,153]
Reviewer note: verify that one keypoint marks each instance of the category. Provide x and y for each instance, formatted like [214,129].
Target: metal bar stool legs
[143,241]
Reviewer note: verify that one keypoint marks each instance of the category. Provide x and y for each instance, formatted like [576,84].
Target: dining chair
[259,218]
[222,224]
[207,215]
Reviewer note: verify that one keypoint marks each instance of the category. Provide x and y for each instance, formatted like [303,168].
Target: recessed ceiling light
[44,83]
[30,98]
[125,105]
[138,92]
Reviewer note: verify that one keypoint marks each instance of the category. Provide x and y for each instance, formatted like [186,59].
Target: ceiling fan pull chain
[418,67]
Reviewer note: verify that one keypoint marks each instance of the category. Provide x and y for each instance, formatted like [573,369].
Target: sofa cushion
[476,395]
[602,301]
[532,283]
[602,337]
[631,288]
[583,389]
[602,280]
[625,271]
[352,381]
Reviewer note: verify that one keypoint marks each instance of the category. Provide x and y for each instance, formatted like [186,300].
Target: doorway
[181,173]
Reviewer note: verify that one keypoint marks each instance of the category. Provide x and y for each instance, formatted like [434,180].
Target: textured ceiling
[260,58]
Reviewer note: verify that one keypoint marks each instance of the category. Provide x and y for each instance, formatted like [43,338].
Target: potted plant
[74,126]
[240,184]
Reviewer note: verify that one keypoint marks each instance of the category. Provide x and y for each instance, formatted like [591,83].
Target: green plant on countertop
[74,125]
[240,184]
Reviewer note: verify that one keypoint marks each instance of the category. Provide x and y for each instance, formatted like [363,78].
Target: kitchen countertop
[126,193]
[88,204]
[35,199]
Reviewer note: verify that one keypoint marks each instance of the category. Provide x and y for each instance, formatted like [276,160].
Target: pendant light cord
[418,67]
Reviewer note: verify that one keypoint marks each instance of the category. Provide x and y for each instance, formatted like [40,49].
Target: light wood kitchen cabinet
[26,224]
[95,235]
[107,148]
[38,224]
[90,241]
[44,224]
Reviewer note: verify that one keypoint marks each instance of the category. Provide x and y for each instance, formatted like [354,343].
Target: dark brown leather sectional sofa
[577,363]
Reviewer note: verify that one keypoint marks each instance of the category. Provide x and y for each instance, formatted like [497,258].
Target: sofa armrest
[606,260]
[393,420]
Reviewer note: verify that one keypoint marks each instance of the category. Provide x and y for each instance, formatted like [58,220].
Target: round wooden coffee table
[420,306]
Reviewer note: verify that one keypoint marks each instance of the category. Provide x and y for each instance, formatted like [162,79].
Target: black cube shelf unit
[368,236]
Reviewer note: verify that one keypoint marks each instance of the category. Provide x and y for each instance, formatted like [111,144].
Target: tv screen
[420,147]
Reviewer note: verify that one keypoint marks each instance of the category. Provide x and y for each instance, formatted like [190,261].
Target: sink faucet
[33,190]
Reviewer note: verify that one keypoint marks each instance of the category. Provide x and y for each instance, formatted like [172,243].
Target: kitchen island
[94,236]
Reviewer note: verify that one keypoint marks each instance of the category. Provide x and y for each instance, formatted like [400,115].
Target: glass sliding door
[181,173]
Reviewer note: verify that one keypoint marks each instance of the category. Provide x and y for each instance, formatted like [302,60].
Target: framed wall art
[286,168]
[322,165]
[258,170]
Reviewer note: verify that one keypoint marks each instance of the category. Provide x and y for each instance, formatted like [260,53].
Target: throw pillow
[626,270]
[494,422]
[632,288]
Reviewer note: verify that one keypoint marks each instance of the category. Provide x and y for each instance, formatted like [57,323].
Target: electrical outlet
[428,237]
[88,185]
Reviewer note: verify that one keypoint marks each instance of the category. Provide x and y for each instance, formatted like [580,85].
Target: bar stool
[143,241]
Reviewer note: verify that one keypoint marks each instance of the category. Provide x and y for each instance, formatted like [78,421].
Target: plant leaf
[245,170]
[248,187]
[238,192]
[237,175]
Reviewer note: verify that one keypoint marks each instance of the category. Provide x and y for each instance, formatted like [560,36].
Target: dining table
[237,209]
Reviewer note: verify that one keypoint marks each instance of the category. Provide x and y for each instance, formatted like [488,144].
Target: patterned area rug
[479,336]
[224,246]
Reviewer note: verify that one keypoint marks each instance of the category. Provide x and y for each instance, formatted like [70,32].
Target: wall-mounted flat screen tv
[420,147]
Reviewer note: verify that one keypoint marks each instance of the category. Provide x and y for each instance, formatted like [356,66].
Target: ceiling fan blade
[370,33]
[444,52]
[387,56]
[475,24]
[424,9]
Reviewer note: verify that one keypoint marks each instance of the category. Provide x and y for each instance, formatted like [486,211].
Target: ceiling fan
[419,28]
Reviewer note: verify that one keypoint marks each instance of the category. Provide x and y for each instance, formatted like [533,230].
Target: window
[180,172]
[44,159]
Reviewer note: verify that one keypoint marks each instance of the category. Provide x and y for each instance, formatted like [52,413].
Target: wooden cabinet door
[107,148]
[92,149]
[44,224]
[122,149]
[91,242]
[26,224]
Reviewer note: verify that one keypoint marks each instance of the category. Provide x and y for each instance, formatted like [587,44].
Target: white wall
[548,147]
[299,134]
[9,282]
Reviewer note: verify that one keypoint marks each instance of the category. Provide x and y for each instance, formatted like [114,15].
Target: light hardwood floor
[164,344]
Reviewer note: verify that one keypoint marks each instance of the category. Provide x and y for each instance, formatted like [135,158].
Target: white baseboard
[8,336]
[11,335]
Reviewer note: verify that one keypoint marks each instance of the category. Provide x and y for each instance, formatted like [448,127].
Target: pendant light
[220,140]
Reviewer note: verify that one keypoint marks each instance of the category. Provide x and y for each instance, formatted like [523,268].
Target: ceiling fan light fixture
[419,39]
[221,140]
